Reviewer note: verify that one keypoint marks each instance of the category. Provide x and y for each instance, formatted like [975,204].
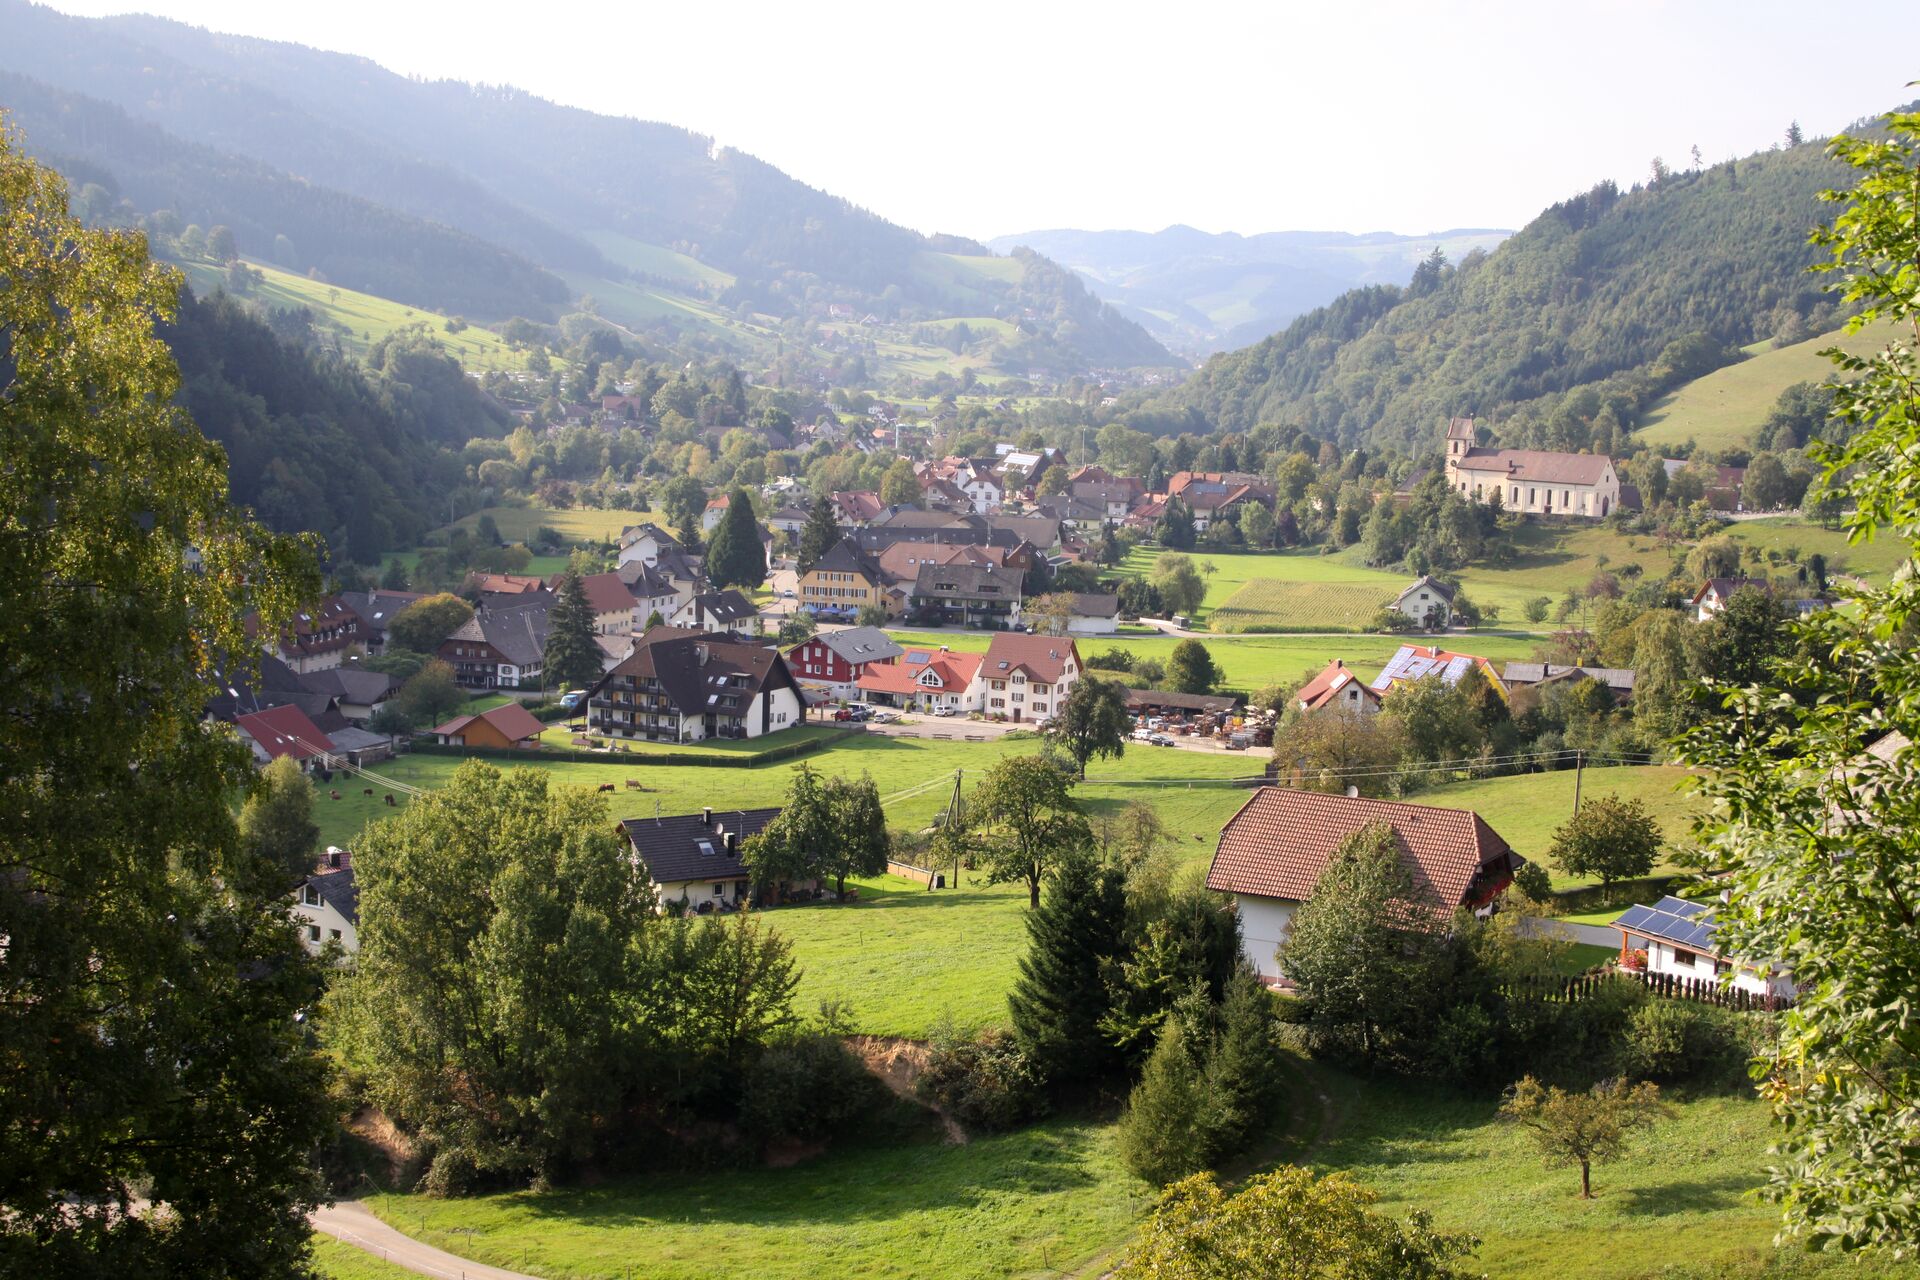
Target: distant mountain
[1200,293]
[586,196]
[1561,335]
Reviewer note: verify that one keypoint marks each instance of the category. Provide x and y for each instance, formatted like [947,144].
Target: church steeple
[1460,437]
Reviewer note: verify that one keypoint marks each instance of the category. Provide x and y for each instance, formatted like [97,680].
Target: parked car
[944,711]
[1160,740]
[572,698]
[885,717]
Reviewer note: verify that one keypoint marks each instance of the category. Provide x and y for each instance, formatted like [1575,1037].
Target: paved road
[1595,935]
[351,1222]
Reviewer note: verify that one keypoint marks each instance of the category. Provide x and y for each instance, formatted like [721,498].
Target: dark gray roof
[338,890]
[1525,673]
[520,634]
[1087,604]
[351,684]
[1432,584]
[846,556]
[376,608]
[689,847]
[1147,699]
[724,606]
[705,674]
[961,581]
[861,644]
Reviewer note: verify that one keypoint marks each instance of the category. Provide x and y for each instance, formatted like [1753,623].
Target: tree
[432,695]
[1025,820]
[1190,668]
[1287,1225]
[572,657]
[1052,481]
[900,486]
[394,577]
[1741,642]
[1330,749]
[1061,998]
[276,824]
[819,535]
[1178,584]
[152,978]
[1256,524]
[1831,901]
[1093,721]
[1536,609]
[1050,614]
[1607,839]
[1767,486]
[1164,1135]
[1436,719]
[796,629]
[498,917]
[422,625]
[861,845]
[1583,1129]
[1360,947]
[792,846]
[682,500]
[1175,527]
[872,615]
[220,245]
[736,558]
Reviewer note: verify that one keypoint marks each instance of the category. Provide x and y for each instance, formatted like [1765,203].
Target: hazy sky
[987,117]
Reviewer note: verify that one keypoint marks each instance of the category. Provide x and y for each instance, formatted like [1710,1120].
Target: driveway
[351,1222]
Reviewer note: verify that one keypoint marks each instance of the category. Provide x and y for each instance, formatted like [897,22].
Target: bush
[1532,879]
[805,1089]
[987,1083]
[1677,1040]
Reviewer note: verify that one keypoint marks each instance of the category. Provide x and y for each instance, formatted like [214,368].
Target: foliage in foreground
[1287,1225]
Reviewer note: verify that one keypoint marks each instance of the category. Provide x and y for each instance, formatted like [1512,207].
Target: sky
[993,118]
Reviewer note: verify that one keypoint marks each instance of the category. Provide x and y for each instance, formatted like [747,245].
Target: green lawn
[1722,409]
[1527,809]
[337,1261]
[367,318]
[1054,1200]
[657,260]
[579,524]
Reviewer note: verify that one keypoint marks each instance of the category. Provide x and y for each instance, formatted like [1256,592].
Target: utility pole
[1579,762]
[954,817]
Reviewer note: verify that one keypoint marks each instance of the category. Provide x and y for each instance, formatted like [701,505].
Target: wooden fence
[1670,986]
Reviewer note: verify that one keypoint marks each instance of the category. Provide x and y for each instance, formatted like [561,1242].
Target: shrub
[1532,879]
[805,1089]
[1676,1040]
[987,1083]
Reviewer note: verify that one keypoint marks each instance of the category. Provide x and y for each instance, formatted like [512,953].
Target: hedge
[772,755]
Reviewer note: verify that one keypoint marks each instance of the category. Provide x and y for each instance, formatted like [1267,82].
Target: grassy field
[1268,604]
[1527,809]
[337,1261]
[1053,1200]
[1722,409]
[657,260]
[367,318]
[1252,662]
[580,524]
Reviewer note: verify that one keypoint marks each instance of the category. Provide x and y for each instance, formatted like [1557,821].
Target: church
[1531,480]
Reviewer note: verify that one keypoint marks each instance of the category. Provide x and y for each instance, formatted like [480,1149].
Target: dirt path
[351,1222]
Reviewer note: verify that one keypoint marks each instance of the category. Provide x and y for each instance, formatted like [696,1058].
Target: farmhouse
[357,693]
[716,611]
[1339,688]
[273,732]
[611,600]
[1418,661]
[693,860]
[834,661]
[328,904]
[1714,593]
[963,594]
[1429,602]
[1530,480]
[842,582]
[1274,850]
[645,543]
[318,639]
[1527,675]
[1029,677]
[1676,938]
[509,725]
[684,686]
[499,647]
[929,679]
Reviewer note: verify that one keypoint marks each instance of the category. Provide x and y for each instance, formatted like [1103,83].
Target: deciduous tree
[422,625]
[276,823]
[1608,839]
[1093,720]
[1190,668]
[1179,584]
[1025,820]
[1583,1129]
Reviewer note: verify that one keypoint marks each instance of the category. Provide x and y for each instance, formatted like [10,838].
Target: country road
[351,1222]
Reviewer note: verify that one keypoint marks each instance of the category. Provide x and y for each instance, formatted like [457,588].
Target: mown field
[1268,604]
[1054,1200]
[578,524]
[366,317]
[1722,409]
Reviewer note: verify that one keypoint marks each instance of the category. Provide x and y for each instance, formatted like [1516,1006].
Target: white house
[644,543]
[1029,677]
[926,679]
[1094,615]
[327,904]
[1274,850]
[984,492]
[1337,688]
[715,611]
[1428,602]
[1714,593]
[1677,939]
[680,685]
[693,860]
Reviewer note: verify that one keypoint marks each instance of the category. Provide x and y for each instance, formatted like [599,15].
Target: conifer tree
[1165,1134]
[1061,997]
[572,658]
[818,536]
[735,557]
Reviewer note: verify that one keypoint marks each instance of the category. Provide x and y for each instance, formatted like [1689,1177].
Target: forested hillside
[364,455]
[274,215]
[547,183]
[1590,295]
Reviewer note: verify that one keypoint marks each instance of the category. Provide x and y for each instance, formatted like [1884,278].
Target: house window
[313,933]
[309,896]
[720,891]
[334,934]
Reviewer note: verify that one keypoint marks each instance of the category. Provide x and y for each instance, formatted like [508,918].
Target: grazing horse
[606,786]
[368,793]
[334,794]
[390,799]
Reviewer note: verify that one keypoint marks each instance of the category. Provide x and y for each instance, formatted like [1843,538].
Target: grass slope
[580,524]
[1720,410]
[1528,808]
[657,260]
[366,318]
[336,1261]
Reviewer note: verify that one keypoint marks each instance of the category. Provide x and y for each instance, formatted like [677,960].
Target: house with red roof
[1337,687]
[1029,677]
[925,679]
[504,727]
[320,638]
[1273,852]
[610,598]
[273,732]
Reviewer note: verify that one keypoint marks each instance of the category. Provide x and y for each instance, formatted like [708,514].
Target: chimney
[706,816]
[726,839]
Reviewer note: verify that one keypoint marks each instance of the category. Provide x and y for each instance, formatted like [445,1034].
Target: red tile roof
[1322,689]
[1044,657]
[902,675]
[284,731]
[606,593]
[1281,841]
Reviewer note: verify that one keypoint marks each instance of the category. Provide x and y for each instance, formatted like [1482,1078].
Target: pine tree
[818,536]
[1061,997]
[1175,528]
[572,657]
[1243,1072]
[1165,1134]
[735,557]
